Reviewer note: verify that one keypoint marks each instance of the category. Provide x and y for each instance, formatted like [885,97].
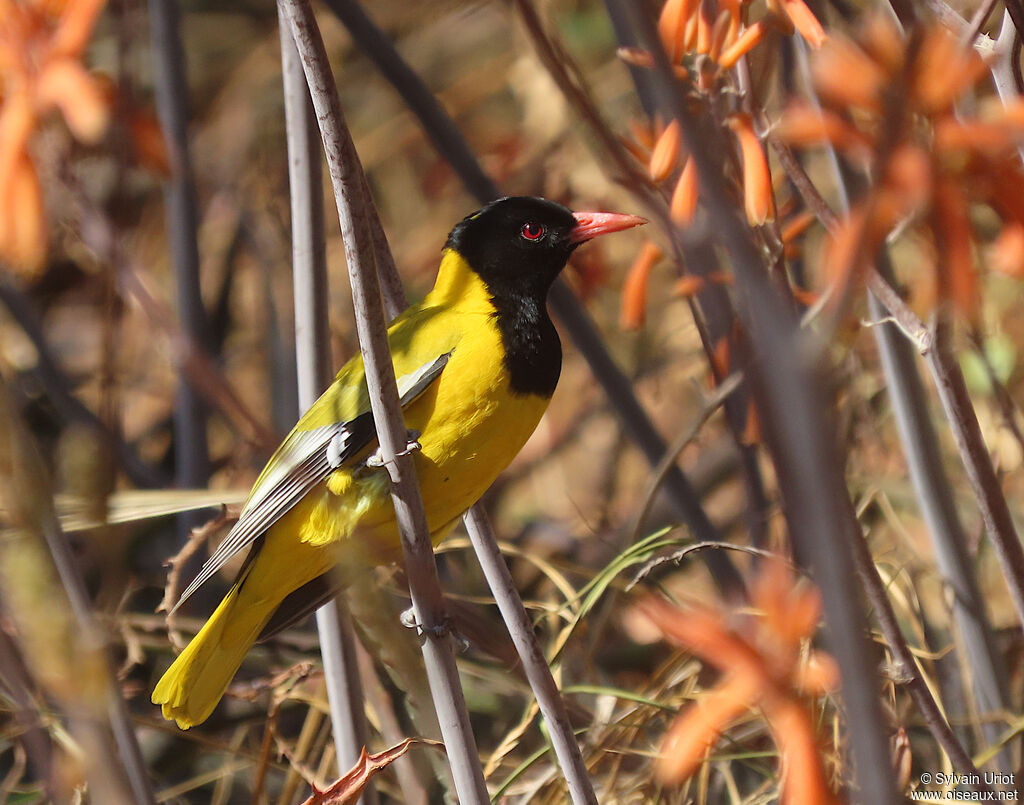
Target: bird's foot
[438,631]
[412,444]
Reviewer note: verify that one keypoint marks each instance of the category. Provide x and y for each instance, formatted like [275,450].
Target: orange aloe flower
[765,665]
[932,161]
[1006,254]
[665,154]
[634,291]
[41,44]
[758,199]
[684,198]
[716,29]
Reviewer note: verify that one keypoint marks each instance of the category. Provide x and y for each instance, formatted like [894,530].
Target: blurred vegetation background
[91,352]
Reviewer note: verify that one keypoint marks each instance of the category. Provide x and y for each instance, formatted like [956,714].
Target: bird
[476,362]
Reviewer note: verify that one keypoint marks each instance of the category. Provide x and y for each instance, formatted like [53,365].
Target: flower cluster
[710,36]
[717,30]
[890,103]
[41,44]
[765,663]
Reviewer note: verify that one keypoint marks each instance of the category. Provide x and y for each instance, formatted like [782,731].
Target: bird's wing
[305,459]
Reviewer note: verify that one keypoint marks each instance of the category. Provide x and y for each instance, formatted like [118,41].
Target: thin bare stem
[520,628]
[570,80]
[191,451]
[981,14]
[1005,76]
[963,421]
[314,373]
[424,588]
[912,679]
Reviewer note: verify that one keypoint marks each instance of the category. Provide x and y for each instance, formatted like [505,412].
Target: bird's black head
[517,245]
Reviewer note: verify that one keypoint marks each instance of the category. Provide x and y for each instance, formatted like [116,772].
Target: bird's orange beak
[591,224]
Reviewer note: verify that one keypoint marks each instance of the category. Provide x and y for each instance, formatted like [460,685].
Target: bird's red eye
[532,231]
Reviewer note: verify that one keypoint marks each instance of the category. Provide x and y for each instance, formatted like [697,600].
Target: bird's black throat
[533,351]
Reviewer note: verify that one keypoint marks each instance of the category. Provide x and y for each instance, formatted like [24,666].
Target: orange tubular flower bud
[666,152]
[1006,254]
[699,727]
[690,33]
[952,225]
[703,30]
[805,783]
[845,75]
[805,22]
[745,42]
[757,179]
[684,197]
[752,429]
[66,85]
[802,124]
[883,40]
[634,290]
[943,70]
[735,19]
[672,26]
[719,34]
[843,258]
[819,676]
[17,118]
[796,226]
[779,16]
[23,236]
[688,286]
[908,180]
[955,135]
[75,27]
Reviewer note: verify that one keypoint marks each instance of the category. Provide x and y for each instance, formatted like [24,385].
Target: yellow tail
[191,688]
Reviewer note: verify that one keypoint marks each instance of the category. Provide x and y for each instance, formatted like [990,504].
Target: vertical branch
[786,385]
[520,628]
[937,503]
[926,704]
[995,513]
[424,588]
[314,373]
[190,444]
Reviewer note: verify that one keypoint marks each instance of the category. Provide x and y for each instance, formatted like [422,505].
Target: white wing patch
[304,460]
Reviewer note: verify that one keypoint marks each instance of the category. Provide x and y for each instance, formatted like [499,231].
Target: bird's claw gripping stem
[412,444]
[408,619]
